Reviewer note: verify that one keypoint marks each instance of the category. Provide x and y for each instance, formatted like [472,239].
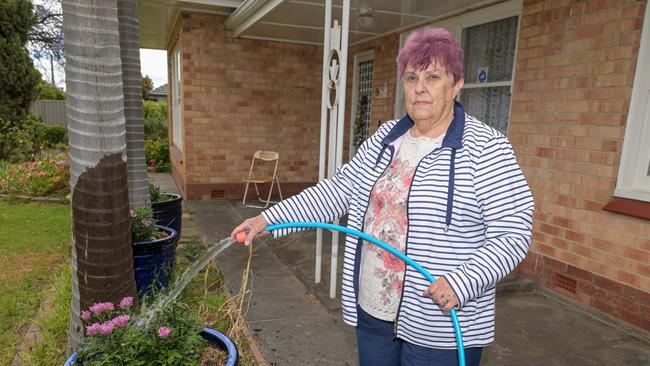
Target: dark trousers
[378,347]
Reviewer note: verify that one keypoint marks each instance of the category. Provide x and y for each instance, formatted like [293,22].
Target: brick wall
[244,95]
[573,81]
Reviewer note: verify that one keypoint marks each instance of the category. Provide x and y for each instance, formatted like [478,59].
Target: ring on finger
[443,300]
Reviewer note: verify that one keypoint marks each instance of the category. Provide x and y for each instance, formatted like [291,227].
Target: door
[361,100]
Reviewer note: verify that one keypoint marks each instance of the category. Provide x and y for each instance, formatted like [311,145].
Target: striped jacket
[469,219]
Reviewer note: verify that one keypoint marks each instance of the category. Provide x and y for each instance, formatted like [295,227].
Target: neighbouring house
[567,81]
[159,93]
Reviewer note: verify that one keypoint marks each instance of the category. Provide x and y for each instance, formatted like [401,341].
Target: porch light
[366,17]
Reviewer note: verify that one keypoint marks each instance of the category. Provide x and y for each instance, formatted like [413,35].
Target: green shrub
[53,136]
[155,120]
[47,91]
[157,154]
[18,76]
[21,140]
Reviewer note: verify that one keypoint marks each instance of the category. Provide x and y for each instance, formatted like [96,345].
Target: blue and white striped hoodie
[469,219]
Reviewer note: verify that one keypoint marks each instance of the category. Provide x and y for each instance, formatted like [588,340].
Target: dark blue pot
[169,213]
[153,261]
[214,338]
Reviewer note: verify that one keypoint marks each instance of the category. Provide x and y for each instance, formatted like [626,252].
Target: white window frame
[176,88]
[455,25]
[633,178]
[358,58]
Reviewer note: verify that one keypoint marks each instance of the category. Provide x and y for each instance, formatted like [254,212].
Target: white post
[323,128]
[340,127]
[331,163]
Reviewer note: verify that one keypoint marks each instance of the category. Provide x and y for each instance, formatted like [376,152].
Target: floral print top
[381,273]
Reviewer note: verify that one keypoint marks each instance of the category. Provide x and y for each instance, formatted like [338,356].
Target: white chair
[267,156]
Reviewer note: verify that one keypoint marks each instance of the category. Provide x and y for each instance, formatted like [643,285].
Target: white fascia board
[225,3]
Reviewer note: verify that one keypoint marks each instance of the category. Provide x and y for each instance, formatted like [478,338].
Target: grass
[52,320]
[34,246]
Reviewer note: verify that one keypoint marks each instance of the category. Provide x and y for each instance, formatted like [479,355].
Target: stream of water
[165,299]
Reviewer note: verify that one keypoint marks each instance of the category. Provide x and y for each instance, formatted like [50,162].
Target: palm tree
[132,80]
[102,261]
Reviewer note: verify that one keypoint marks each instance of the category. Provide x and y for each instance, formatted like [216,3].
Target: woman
[443,188]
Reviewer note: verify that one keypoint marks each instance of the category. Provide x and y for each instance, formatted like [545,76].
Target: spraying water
[148,314]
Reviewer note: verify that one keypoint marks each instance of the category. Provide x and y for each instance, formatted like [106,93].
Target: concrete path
[295,322]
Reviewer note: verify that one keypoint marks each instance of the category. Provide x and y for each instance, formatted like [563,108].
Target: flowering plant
[43,177]
[143,226]
[113,336]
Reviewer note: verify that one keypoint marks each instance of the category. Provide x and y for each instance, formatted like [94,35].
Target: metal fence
[52,112]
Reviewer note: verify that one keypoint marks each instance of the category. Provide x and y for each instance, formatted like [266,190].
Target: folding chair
[268,156]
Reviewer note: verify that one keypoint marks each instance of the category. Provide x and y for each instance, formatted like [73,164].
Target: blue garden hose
[395,252]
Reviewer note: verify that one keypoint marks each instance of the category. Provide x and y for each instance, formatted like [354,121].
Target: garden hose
[395,252]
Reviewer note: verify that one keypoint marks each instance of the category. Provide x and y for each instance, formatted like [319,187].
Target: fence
[52,112]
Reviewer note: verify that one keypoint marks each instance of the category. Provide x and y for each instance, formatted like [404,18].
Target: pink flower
[132,213]
[106,328]
[145,223]
[163,332]
[120,321]
[101,307]
[152,162]
[52,161]
[126,302]
[85,315]
[41,174]
[93,328]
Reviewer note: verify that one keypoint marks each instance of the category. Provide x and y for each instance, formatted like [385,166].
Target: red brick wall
[573,81]
[244,95]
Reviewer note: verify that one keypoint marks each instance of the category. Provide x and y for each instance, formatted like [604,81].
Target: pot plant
[114,336]
[167,208]
[154,251]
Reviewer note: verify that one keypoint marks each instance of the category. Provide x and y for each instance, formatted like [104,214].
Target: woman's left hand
[442,294]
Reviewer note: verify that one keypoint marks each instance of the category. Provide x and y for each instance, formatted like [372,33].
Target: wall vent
[219,195]
[564,283]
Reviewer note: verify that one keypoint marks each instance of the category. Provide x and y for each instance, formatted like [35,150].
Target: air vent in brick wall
[219,195]
[565,284]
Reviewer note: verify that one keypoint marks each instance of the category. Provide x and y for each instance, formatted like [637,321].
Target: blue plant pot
[214,338]
[153,261]
[169,213]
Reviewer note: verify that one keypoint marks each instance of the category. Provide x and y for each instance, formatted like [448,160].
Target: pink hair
[431,45]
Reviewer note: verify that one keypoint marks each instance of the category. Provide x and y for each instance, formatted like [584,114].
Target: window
[634,172]
[177,115]
[361,100]
[489,62]
[489,39]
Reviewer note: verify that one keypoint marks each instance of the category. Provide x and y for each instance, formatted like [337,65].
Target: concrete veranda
[295,323]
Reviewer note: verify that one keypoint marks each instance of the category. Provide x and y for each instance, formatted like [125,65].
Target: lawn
[34,253]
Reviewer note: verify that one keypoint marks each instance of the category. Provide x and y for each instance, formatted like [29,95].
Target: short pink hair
[432,45]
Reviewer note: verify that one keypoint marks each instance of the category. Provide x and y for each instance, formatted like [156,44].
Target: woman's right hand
[253,227]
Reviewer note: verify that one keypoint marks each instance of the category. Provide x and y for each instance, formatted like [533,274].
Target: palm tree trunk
[102,260]
[132,80]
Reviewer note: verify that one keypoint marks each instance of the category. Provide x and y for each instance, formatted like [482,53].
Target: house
[567,81]
[159,93]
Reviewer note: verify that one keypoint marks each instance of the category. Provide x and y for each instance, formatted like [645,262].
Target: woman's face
[429,93]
